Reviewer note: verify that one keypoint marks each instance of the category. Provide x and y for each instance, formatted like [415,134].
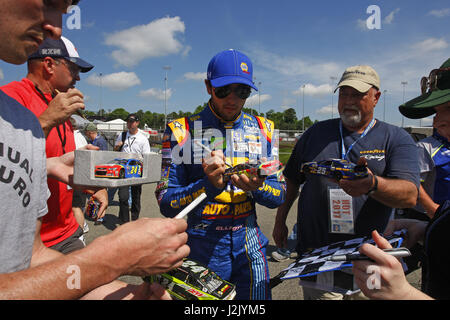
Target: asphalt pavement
[287,290]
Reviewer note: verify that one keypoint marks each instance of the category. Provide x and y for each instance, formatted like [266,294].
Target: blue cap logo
[244,67]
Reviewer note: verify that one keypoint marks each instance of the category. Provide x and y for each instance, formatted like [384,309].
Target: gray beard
[351,120]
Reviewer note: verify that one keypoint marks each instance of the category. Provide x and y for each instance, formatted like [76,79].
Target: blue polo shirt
[441,160]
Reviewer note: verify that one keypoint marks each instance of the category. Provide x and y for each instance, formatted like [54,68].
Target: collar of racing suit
[219,120]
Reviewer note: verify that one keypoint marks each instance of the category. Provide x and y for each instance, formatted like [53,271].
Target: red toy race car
[120,169]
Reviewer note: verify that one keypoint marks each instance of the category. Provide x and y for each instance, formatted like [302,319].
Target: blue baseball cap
[230,66]
[61,48]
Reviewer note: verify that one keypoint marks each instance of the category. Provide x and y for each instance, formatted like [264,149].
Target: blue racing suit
[223,232]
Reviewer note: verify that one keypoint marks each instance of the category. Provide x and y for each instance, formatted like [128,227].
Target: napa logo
[244,67]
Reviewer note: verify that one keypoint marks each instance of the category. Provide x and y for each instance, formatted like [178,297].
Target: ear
[376,95]
[49,65]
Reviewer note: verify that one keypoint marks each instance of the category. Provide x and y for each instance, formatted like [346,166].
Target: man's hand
[392,283]
[214,168]
[61,168]
[147,246]
[118,290]
[358,187]
[118,146]
[61,108]
[246,183]
[280,234]
[102,197]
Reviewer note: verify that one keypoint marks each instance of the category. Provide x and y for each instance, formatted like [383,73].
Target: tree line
[285,120]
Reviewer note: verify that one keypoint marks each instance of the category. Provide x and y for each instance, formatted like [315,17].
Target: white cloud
[362,25]
[253,101]
[156,93]
[186,51]
[440,13]
[294,66]
[327,110]
[115,81]
[198,76]
[431,44]
[156,39]
[315,91]
[390,17]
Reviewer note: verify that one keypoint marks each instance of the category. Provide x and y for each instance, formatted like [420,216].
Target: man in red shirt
[47,89]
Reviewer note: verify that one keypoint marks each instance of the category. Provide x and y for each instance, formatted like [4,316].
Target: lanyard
[63,140]
[130,144]
[441,139]
[344,153]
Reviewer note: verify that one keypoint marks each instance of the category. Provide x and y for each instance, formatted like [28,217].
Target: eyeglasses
[438,79]
[242,91]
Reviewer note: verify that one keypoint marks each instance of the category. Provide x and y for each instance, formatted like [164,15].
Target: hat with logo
[132,117]
[61,48]
[361,78]
[435,91]
[90,127]
[230,66]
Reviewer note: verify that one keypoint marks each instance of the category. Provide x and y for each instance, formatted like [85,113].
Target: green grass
[285,152]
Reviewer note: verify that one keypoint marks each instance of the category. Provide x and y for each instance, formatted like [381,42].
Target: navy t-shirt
[390,152]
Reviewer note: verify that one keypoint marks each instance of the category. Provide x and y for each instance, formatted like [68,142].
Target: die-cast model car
[120,169]
[194,281]
[335,168]
[262,169]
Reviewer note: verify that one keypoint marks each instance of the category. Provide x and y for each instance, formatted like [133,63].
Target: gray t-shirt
[23,183]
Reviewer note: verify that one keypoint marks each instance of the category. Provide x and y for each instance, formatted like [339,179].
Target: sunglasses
[72,67]
[438,79]
[242,91]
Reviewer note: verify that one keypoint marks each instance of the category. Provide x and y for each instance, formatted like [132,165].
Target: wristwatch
[374,187]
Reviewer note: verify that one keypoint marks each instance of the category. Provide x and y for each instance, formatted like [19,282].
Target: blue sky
[291,43]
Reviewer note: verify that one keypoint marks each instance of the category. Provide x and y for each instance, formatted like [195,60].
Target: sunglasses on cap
[242,91]
[438,79]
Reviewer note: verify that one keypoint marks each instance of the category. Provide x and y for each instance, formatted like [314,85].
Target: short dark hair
[132,116]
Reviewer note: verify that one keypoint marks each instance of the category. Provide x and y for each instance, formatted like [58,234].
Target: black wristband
[374,187]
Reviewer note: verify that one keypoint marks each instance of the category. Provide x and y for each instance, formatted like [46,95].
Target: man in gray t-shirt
[23,179]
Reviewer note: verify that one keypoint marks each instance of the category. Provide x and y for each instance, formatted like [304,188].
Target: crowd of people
[41,228]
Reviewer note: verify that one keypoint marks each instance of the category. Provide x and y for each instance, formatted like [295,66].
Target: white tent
[113,125]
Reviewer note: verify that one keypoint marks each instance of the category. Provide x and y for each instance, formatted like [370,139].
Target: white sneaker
[279,257]
[85,227]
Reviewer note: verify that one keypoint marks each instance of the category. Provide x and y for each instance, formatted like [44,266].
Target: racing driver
[223,231]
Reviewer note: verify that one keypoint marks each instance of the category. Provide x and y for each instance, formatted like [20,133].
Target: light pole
[404,83]
[259,97]
[303,110]
[167,68]
[101,92]
[333,79]
[384,110]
